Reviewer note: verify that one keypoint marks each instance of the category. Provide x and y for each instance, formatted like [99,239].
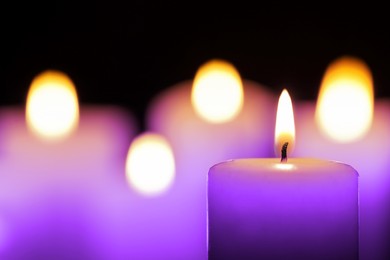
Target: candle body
[257,211]
[198,144]
[370,157]
[47,194]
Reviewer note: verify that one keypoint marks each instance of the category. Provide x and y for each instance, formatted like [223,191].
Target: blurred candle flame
[217,93]
[52,110]
[285,126]
[345,105]
[150,165]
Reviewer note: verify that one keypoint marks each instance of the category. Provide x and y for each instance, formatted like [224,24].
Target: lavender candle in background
[142,219]
[48,174]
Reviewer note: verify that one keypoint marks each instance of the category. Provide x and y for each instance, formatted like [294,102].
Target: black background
[126,54]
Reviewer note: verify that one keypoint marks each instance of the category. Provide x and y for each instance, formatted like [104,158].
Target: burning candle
[215,117]
[213,109]
[346,125]
[143,220]
[53,125]
[51,163]
[298,208]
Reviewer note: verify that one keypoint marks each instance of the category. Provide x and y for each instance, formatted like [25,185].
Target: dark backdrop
[126,54]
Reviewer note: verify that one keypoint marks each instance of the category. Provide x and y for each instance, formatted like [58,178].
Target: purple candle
[298,208]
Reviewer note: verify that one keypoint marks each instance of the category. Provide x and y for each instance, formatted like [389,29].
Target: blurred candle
[345,125]
[300,208]
[216,116]
[144,216]
[52,158]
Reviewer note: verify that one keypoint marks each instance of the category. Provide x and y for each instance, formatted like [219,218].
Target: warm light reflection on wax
[345,103]
[52,110]
[285,126]
[217,93]
[284,166]
[150,165]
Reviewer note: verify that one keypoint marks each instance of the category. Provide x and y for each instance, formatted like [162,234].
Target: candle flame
[217,93]
[285,126]
[345,103]
[150,165]
[52,110]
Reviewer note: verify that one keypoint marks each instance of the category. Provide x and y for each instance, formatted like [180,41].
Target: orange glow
[150,164]
[52,110]
[285,126]
[217,93]
[345,104]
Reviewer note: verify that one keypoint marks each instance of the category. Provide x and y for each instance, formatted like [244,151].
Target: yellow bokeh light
[52,110]
[150,164]
[345,104]
[285,126]
[217,93]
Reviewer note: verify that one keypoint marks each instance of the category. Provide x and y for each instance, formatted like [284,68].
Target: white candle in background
[345,125]
[216,117]
[52,166]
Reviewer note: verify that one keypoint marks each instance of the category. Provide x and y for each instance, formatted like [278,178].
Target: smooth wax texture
[258,211]
[370,156]
[197,145]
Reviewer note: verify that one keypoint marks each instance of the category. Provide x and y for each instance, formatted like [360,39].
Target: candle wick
[284,152]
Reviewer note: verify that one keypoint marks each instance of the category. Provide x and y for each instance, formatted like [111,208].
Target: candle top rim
[273,165]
